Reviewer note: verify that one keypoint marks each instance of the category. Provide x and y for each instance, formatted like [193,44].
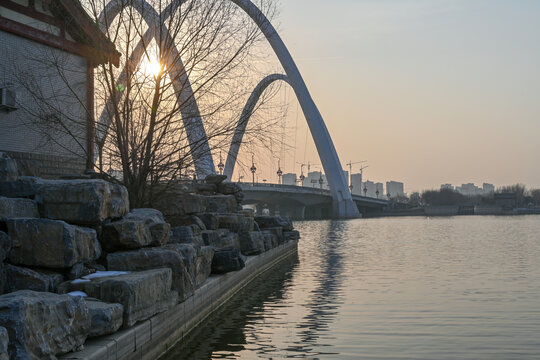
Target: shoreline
[152,338]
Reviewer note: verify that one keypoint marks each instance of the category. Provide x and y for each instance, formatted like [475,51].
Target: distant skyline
[428,91]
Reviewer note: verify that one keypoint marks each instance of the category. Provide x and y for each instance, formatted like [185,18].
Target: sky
[428,91]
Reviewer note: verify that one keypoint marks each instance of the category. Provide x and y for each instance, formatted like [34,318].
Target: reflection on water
[409,288]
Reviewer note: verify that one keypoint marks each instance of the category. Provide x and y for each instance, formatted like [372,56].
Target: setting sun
[151,66]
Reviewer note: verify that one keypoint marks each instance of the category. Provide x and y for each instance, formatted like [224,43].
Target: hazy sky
[429,91]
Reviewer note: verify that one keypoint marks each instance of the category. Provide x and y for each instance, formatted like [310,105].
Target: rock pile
[76,262]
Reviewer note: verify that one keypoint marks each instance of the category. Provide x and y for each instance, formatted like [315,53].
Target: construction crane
[350,164]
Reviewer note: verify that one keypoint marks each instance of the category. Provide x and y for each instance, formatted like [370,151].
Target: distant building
[356,182]
[488,188]
[288,179]
[313,179]
[372,188]
[379,190]
[471,189]
[394,188]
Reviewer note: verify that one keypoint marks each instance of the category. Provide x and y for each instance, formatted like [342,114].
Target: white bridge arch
[343,205]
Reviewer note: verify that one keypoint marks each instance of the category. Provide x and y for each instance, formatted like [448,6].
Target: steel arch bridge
[343,205]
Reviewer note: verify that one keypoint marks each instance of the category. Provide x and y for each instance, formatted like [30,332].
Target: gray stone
[228,188]
[21,278]
[252,243]
[185,235]
[50,243]
[23,187]
[291,235]
[4,341]
[5,246]
[153,219]
[17,208]
[274,221]
[235,222]
[204,265]
[9,170]
[42,325]
[277,232]
[125,234]
[188,276]
[215,179]
[226,260]
[270,240]
[154,258]
[142,294]
[206,189]
[87,202]
[223,204]
[220,238]
[211,221]
[3,278]
[177,206]
[105,318]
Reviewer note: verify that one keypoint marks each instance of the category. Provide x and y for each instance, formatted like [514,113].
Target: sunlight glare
[152,66]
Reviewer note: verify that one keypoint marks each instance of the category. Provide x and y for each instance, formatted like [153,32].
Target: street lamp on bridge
[279,173]
[220,166]
[253,169]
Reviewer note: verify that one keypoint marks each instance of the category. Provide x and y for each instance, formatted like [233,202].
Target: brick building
[49,51]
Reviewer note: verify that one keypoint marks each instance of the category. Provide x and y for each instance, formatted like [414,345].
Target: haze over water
[390,288]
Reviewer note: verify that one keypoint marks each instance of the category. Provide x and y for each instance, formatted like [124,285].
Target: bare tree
[181,62]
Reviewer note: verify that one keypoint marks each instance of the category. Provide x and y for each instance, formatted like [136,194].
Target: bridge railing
[302,189]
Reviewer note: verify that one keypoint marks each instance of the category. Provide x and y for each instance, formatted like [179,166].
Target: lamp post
[253,169]
[279,173]
[220,166]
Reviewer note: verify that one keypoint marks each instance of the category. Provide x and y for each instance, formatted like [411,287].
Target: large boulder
[186,235]
[276,232]
[5,246]
[228,188]
[42,325]
[21,278]
[186,220]
[220,238]
[105,318]
[220,204]
[252,243]
[125,234]
[274,221]
[291,235]
[9,171]
[215,179]
[154,258]
[142,294]
[204,264]
[235,222]
[177,206]
[226,260]
[153,219]
[50,243]
[17,208]
[84,202]
[4,341]
[270,240]
[23,187]
[210,221]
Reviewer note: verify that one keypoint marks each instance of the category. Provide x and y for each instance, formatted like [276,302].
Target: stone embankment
[77,263]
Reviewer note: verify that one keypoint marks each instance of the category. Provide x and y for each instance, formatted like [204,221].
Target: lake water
[389,288]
